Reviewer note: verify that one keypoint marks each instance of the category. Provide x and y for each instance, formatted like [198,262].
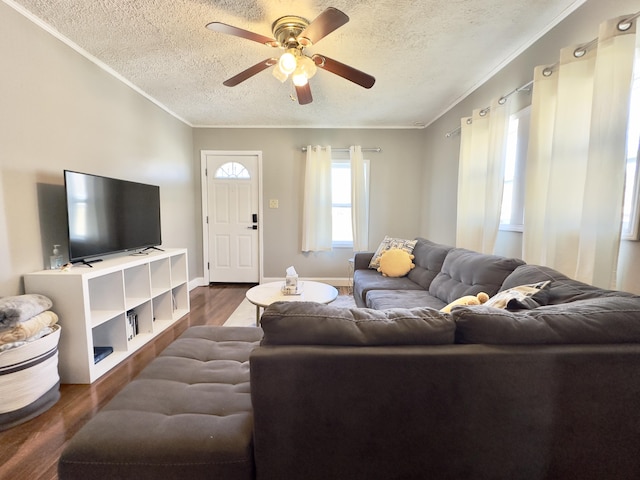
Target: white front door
[232,216]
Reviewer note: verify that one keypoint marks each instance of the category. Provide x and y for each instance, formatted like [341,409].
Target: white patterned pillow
[387,244]
[523,296]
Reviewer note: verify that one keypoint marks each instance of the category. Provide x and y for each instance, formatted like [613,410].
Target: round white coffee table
[265,294]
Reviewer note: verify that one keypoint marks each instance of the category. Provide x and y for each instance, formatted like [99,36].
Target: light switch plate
[273,203]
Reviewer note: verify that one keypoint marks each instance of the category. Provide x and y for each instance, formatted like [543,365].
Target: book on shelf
[132,324]
[100,353]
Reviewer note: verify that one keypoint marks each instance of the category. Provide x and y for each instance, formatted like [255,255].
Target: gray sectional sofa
[441,274]
[550,391]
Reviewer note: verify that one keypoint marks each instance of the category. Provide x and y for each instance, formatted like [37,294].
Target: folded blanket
[29,328]
[8,346]
[14,310]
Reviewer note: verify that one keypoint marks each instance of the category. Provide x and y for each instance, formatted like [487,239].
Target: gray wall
[60,111]
[396,184]
[441,153]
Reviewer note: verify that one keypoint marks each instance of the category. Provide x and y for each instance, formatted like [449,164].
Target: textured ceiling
[425,54]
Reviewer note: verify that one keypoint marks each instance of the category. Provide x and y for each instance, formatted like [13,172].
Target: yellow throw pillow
[395,263]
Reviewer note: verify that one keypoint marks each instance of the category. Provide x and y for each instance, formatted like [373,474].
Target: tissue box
[291,285]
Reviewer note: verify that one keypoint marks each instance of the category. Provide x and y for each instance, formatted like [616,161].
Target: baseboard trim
[197,282]
[335,281]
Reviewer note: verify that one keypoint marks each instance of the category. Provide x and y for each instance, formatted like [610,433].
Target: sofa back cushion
[310,323]
[561,288]
[465,272]
[592,321]
[428,260]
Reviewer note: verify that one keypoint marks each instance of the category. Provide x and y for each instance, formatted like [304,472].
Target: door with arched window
[231,211]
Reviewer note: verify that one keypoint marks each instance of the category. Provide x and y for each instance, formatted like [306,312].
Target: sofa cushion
[385,299]
[562,289]
[428,259]
[465,272]
[367,280]
[593,321]
[387,244]
[310,323]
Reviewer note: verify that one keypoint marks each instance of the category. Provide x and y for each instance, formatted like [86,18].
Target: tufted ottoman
[187,415]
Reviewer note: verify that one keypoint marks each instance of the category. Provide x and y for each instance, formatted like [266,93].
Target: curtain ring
[624,25]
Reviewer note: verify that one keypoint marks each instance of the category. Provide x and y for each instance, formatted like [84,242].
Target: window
[512,213]
[341,201]
[232,170]
[630,230]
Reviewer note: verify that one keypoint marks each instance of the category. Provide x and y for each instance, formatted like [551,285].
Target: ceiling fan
[293,34]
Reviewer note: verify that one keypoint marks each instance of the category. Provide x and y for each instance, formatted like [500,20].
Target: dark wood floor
[30,451]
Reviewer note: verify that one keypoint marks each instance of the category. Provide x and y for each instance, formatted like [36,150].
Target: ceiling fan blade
[345,71]
[239,32]
[325,23]
[249,72]
[304,94]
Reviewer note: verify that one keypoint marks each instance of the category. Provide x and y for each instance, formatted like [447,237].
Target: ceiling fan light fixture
[299,78]
[287,62]
[304,71]
[279,74]
[308,66]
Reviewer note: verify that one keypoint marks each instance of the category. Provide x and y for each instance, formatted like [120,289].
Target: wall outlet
[273,203]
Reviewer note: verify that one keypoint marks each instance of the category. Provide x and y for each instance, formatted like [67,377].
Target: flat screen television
[107,215]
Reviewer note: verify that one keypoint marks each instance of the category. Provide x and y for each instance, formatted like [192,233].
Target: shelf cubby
[162,308]
[180,301]
[160,276]
[111,334]
[106,296]
[179,270]
[137,285]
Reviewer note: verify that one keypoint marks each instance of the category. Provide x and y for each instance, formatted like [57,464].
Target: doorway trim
[205,207]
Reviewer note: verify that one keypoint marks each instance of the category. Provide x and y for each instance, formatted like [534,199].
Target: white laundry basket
[29,380]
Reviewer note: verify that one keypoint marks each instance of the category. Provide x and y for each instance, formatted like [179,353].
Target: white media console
[94,305]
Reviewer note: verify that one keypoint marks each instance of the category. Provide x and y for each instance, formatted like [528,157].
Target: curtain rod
[523,88]
[345,149]
[623,25]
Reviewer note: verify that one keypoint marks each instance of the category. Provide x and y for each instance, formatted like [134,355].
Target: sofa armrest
[361,260]
[455,411]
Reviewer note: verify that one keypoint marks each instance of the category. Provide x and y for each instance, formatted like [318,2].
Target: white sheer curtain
[317,215]
[359,200]
[576,158]
[481,176]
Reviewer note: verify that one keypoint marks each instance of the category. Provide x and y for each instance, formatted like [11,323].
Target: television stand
[96,305]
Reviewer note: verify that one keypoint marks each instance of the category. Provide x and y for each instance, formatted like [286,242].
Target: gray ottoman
[187,415]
